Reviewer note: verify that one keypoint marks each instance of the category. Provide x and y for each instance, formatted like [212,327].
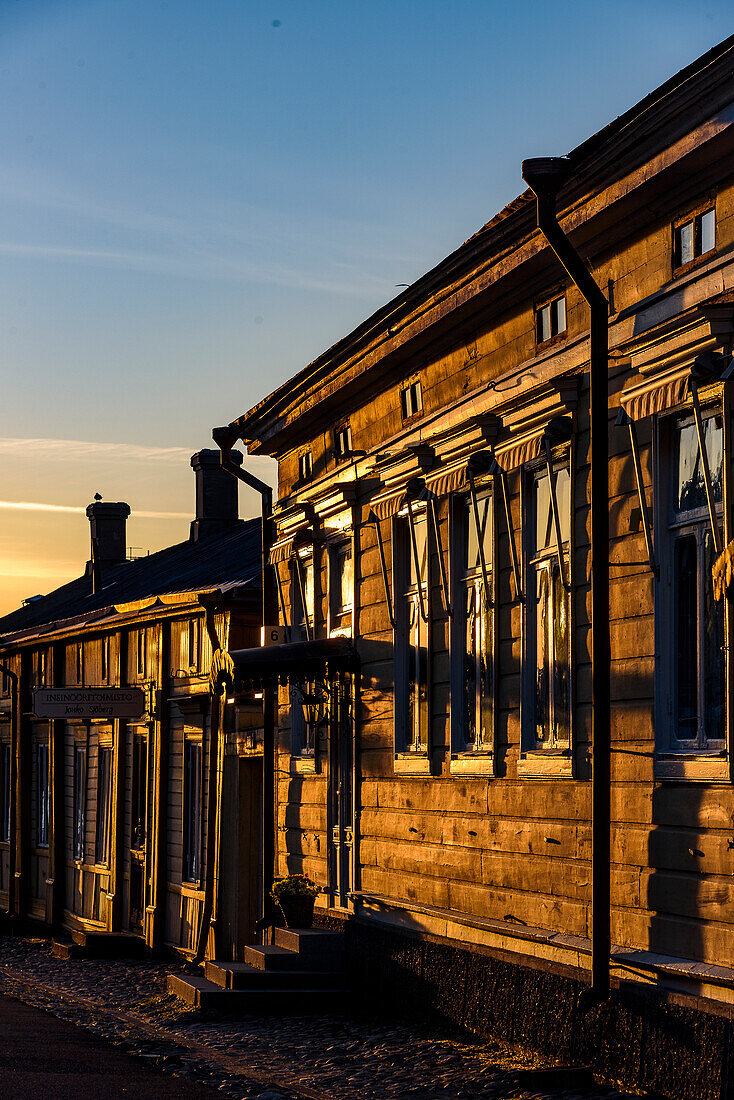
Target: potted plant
[296,895]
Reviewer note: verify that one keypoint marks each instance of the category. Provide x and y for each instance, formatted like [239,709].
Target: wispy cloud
[73,450]
[38,506]
[85,450]
[39,570]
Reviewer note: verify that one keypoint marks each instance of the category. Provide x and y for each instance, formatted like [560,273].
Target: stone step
[239,975]
[108,945]
[64,949]
[310,941]
[198,992]
[273,957]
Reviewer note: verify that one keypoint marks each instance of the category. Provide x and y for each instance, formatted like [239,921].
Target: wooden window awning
[282,551]
[241,669]
[389,506]
[655,395]
[449,481]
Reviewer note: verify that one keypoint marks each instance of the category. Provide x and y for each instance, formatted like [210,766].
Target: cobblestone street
[271,1058]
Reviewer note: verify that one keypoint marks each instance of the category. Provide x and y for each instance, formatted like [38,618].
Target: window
[305,466]
[42,795]
[695,630]
[192,640]
[302,601]
[105,659]
[5,684]
[411,642]
[694,237]
[79,663]
[5,799]
[80,800]
[342,442]
[104,783]
[550,319]
[472,707]
[340,590]
[547,726]
[39,668]
[142,651]
[139,792]
[192,812]
[411,399]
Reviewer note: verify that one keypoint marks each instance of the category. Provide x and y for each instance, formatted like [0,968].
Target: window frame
[554,760]
[192,846]
[6,800]
[708,759]
[305,465]
[141,652]
[43,794]
[79,843]
[466,760]
[548,303]
[79,659]
[340,616]
[694,217]
[411,399]
[103,816]
[343,434]
[409,760]
[304,747]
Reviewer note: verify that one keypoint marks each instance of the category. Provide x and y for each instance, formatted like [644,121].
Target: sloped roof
[599,156]
[224,562]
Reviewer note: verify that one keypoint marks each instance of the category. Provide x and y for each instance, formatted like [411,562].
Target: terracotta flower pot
[298,911]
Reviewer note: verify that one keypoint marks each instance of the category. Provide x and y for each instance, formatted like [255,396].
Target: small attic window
[694,237]
[342,442]
[411,399]
[305,466]
[550,319]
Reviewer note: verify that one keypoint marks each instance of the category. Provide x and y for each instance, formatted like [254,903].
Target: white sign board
[73,703]
[272,635]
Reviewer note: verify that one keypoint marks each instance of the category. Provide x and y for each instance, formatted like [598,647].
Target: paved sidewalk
[268,1058]
[48,1059]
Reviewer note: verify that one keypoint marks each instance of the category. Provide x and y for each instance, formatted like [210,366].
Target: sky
[196,199]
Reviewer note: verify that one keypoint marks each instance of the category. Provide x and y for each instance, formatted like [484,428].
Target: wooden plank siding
[506,848]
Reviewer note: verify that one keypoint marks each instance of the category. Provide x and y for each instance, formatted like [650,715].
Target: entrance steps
[98,945]
[302,972]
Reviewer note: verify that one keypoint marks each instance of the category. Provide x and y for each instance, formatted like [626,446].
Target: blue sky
[198,198]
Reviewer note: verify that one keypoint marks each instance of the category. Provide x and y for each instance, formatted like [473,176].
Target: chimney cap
[107,509]
[210,456]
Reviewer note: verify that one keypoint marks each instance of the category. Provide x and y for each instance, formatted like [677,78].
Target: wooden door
[138,833]
[341,794]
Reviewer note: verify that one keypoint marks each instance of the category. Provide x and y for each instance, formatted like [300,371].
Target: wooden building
[434,507]
[104,821]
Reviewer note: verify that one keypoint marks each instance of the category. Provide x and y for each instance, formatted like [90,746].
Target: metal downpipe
[545,176]
[225,440]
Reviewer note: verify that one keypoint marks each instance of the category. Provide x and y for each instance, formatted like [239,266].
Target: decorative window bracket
[416,562]
[302,593]
[441,563]
[554,508]
[497,471]
[624,418]
[383,567]
[281,601]
[693,386]
[477,527]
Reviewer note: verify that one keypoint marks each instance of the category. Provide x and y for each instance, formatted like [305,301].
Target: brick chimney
[107,523]
[217,505]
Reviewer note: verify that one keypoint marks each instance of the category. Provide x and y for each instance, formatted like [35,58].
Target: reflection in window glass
[476,627]
[412,640]
[548,614]
[691,485]
[698,648]
[42,793]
